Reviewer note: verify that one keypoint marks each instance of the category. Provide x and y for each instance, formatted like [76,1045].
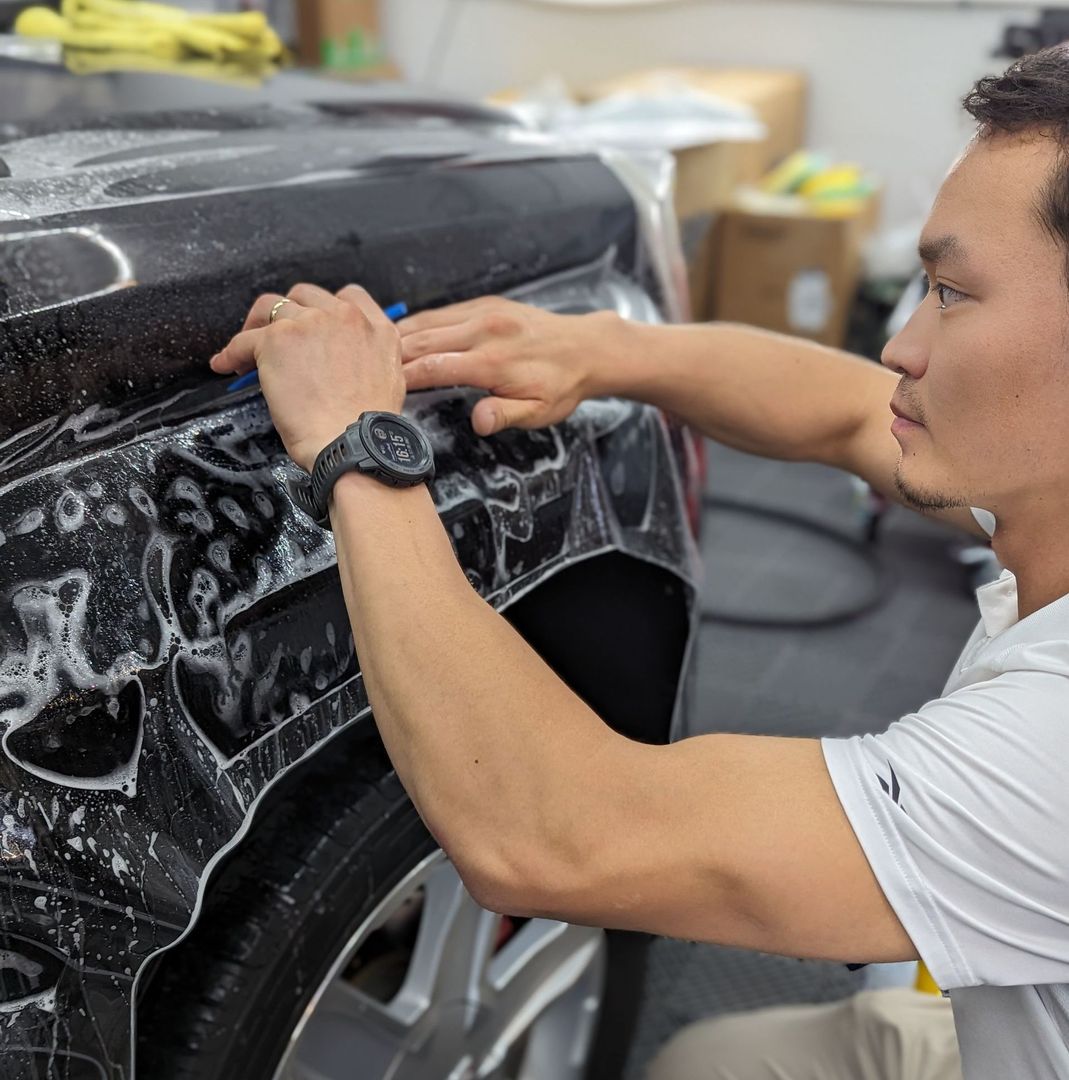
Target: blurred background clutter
[837,89]
[785,118]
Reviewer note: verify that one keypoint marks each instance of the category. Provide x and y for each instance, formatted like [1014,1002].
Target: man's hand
[537,366]
[324,360]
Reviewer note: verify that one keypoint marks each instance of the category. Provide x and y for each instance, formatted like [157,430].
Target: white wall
[886,78]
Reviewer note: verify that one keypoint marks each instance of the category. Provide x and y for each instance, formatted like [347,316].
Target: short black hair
[1032,97]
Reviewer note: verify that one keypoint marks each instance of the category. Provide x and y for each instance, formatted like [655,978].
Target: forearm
[757,391]
[495,751]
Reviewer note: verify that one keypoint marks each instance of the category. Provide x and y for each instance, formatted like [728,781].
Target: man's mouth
[903,415]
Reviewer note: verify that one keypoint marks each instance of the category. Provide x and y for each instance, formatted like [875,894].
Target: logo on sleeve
[891,787]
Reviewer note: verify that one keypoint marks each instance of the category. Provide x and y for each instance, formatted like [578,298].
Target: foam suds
[70,511]
[45,1002]
[172,622]
[29,522]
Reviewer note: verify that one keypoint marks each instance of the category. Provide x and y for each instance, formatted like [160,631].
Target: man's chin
[922,497]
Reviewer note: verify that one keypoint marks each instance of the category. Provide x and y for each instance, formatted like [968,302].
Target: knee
[903,1027]
[724,1048]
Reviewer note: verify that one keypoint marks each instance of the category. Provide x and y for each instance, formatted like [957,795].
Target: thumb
[493,414]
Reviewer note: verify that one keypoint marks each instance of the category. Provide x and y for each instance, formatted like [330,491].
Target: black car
[207,865]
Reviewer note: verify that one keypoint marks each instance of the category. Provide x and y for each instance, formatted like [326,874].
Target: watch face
[396,446]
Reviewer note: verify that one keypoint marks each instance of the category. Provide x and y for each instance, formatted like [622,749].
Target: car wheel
[340,942]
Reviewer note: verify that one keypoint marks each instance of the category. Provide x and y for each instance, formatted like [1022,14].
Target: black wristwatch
[384,445]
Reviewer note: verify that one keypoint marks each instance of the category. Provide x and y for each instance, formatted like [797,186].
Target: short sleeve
[962,809]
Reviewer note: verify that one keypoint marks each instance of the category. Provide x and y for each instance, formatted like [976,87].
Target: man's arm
[758,391]
[765,393]
[545,811]
[542,807]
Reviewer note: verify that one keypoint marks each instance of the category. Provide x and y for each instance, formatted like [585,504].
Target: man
[945,837]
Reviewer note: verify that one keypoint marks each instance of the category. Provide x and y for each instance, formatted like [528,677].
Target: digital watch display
[384,445]
[394,444]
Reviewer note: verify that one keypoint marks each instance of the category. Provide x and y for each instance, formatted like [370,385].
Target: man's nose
[908,351]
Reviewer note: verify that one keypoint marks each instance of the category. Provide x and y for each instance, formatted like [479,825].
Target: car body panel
[172,633]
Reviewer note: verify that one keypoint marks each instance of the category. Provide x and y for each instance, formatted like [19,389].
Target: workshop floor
[849,679]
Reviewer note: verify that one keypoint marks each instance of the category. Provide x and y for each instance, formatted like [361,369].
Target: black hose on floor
[876,594]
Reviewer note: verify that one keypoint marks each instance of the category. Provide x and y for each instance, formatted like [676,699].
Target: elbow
[492,893]
[513,882]
[503,886]
[548,855]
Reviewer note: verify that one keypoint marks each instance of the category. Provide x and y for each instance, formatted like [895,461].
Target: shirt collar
[998,604]
[985,519]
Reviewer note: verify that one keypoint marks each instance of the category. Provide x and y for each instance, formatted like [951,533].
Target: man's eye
[947,296]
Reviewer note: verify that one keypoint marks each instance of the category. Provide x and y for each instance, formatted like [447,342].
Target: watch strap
[347,453]
[300,491]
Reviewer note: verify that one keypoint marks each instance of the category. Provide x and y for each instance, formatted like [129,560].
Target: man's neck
[1035,550]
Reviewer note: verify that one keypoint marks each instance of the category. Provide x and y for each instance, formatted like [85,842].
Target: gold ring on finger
[277,308]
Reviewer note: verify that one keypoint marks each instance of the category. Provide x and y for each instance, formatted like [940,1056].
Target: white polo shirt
[962,809]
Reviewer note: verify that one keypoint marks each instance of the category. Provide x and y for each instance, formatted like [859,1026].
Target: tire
[343,862]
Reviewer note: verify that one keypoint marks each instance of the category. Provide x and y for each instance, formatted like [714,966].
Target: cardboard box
[342,35]
[795,274]
[707,176]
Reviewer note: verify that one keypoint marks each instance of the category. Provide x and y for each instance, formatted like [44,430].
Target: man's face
[987,375]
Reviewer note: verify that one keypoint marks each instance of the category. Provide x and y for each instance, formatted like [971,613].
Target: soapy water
[221,659]
[512,504]
[222,577]
[92,169]
[53,618]
[10,961]
[37,156]
[70,511]
[45,1002]
[172,637]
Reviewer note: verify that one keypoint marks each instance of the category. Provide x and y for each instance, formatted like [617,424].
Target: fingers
[443,316]
[447,339]
[239,356]
[302,295]
[306,296]
[260,312]
[312,296]
[446,369]
[359,298]
[493,414]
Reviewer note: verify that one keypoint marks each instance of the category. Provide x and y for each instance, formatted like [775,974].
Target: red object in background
[694,478]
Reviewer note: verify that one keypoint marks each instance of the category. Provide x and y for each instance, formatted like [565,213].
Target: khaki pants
[896,1034]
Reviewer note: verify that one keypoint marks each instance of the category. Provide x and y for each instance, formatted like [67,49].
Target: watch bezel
[419,472]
